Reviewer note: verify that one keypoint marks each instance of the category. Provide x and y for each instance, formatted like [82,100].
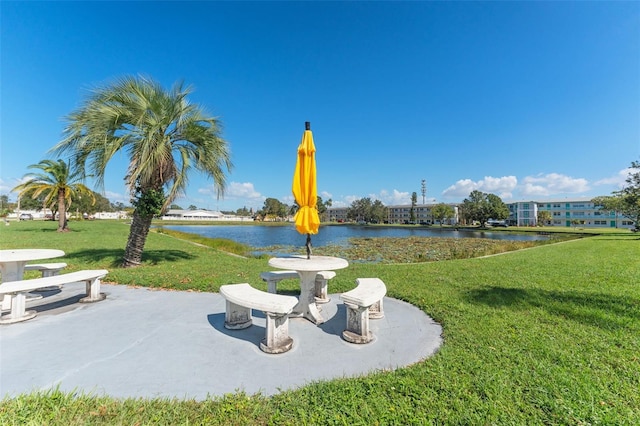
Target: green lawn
[548,335]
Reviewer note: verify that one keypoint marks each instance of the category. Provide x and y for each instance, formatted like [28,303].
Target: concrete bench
[272,278]
[363,303]
[18,291]
[47,269]
[241,298]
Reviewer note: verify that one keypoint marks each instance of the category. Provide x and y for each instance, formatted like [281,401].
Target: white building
[175,214]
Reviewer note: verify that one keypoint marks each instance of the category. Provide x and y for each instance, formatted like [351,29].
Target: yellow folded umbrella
[305,188]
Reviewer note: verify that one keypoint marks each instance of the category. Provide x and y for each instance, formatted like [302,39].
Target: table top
[25,255]
[301,263]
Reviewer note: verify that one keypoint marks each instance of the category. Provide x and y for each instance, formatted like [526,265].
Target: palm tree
[58,184]
[164,137]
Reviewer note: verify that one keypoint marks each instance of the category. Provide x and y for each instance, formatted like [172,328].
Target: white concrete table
[12,263]
[308,269]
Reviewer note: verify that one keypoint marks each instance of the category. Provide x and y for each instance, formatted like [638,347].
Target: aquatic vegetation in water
[413,249]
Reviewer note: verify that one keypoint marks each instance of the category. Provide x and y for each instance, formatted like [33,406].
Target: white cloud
[393,198]
[346,201]
[337,203]
[5,187]
[288,200]
[502,186]
[617,180]
[552,184]
[529,189]
[115,197]
[325,195]
[239,192]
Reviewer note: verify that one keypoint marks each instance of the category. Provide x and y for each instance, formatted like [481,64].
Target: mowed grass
[548,335]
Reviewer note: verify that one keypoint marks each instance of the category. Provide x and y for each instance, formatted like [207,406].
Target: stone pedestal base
[357,330]
[237,317]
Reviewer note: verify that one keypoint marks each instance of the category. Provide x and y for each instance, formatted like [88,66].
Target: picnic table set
[16,291]
[313,272]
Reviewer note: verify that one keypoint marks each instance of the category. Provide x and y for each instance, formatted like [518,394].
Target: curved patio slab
[144,343]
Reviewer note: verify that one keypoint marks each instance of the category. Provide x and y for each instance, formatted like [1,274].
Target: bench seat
[18,291]
[241,298]
[47,269]
[363,303]
[272,278]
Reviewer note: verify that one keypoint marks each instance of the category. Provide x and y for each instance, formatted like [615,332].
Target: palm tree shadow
[113,257]
[595,309]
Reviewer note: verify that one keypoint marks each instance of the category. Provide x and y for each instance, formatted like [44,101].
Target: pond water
[263,236]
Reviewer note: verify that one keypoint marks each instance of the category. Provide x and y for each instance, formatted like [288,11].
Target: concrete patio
[148,343]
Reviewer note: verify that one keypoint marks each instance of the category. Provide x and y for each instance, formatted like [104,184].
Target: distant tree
[412,210]
[323,207]
[243,212]
[192,207]
[367,211]
[118,206]
[544,217]
[59,184]
[498,209]
[293,209]
[360,210]
[28,203]
[5,206]
[481,207]
[275,209]
[165,137]
[441,212]
[175,207]
[627,200]
[463,215]
[378,212]
[100,204]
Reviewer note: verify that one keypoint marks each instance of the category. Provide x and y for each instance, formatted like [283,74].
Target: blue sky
[526,100]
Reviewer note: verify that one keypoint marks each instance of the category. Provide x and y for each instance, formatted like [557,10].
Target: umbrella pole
[308,246]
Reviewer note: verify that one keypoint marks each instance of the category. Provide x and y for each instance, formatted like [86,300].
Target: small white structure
[176,214]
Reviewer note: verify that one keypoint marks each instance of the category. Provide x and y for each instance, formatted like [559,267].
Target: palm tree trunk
[62,218]
[137,238]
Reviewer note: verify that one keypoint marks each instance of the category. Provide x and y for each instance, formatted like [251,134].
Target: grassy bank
[549,335]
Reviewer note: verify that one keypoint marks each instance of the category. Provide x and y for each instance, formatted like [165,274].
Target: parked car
[26,216]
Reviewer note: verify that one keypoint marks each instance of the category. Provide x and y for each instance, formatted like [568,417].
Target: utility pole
[424,190]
